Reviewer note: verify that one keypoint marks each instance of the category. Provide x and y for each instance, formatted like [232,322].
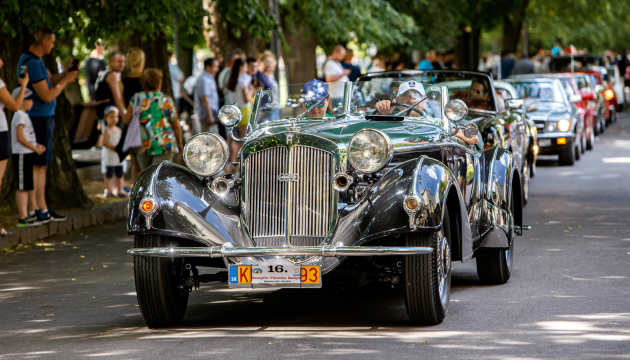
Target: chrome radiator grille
[302,207]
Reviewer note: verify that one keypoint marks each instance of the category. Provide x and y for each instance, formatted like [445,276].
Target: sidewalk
[115,212]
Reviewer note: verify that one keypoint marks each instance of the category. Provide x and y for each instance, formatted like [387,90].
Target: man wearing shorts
[46,88]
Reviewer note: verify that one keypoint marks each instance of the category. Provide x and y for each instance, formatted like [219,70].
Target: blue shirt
[37,72]
[425,65]
[206,86]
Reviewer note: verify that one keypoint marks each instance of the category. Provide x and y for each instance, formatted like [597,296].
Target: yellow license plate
[310,275]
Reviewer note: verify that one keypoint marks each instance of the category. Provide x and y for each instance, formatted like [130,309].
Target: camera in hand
[22,71]
[74,65]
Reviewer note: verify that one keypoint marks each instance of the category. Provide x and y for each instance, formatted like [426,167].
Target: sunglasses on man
[311,103]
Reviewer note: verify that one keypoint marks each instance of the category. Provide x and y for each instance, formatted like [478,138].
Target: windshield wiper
[412,106]
[309,109]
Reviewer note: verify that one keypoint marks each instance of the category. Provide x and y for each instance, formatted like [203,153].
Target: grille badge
[288,177]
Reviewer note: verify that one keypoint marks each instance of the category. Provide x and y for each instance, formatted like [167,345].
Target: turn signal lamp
[562,141]
[412,204]
[609,94]
[148,206]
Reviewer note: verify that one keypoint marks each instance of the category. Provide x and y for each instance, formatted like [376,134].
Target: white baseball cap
[411,85]
[111,108]
[27,93]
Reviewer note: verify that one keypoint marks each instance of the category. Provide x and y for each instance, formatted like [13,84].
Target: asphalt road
[568,298]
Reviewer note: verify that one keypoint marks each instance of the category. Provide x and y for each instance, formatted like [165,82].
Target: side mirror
[532,108]
[575,98]
[587,95]
[514,104]
[230,115]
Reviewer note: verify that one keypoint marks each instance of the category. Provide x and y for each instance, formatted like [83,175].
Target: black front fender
[185,207]
[381,212]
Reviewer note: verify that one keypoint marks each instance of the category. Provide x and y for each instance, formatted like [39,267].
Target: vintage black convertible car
[328,185]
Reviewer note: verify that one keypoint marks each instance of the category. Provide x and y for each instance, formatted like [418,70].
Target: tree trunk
[155,53]
[221,41]
[512,26]
[185,60]
[300,59]
[63,188]
[467,48]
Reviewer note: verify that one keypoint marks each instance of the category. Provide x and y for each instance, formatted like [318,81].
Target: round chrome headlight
[564,125]
[230,115]
[370,150]
[456,110]
[205,154]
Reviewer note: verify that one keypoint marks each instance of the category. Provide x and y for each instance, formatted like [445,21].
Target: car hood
[402,133]
[549,112]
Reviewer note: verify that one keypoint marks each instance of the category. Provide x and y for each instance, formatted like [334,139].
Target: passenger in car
[312,92]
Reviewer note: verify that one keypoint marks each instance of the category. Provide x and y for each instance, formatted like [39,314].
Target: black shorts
[23,167]
[44,127]
[5,146]
[113,170]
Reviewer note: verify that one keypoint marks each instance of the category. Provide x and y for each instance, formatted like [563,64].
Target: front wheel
[494,266]
[567,155]
[162,296]
[428,277]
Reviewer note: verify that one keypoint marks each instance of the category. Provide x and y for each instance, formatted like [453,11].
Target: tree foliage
[596,25]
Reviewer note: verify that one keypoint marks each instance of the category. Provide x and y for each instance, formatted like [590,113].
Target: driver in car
[312,92]
[411,92]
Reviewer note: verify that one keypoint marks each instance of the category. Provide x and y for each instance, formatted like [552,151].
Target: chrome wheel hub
[443,268]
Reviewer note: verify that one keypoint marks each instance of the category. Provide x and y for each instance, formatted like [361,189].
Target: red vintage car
[594,97]
[586,110]
[605,90]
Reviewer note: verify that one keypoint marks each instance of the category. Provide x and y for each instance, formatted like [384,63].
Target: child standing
[25,149]
[113,167]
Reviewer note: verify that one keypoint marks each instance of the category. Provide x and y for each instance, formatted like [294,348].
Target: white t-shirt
[4,126]
[243,82]
[21,118]
[334,68]
[176,75]
[110,157]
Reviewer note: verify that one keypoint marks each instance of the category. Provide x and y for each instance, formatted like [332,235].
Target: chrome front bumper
[323,251]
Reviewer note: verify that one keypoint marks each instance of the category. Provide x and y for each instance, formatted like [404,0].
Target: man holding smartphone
[46,88]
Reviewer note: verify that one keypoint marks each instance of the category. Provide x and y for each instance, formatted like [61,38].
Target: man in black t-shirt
[107,88]
[94,67]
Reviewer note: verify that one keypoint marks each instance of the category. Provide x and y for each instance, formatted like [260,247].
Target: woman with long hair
[6,100]
[131,86]
[240,91]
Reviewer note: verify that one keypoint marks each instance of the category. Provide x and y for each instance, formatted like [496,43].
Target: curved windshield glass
[537,90]
[474,89]
[411,99]
[324,100]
